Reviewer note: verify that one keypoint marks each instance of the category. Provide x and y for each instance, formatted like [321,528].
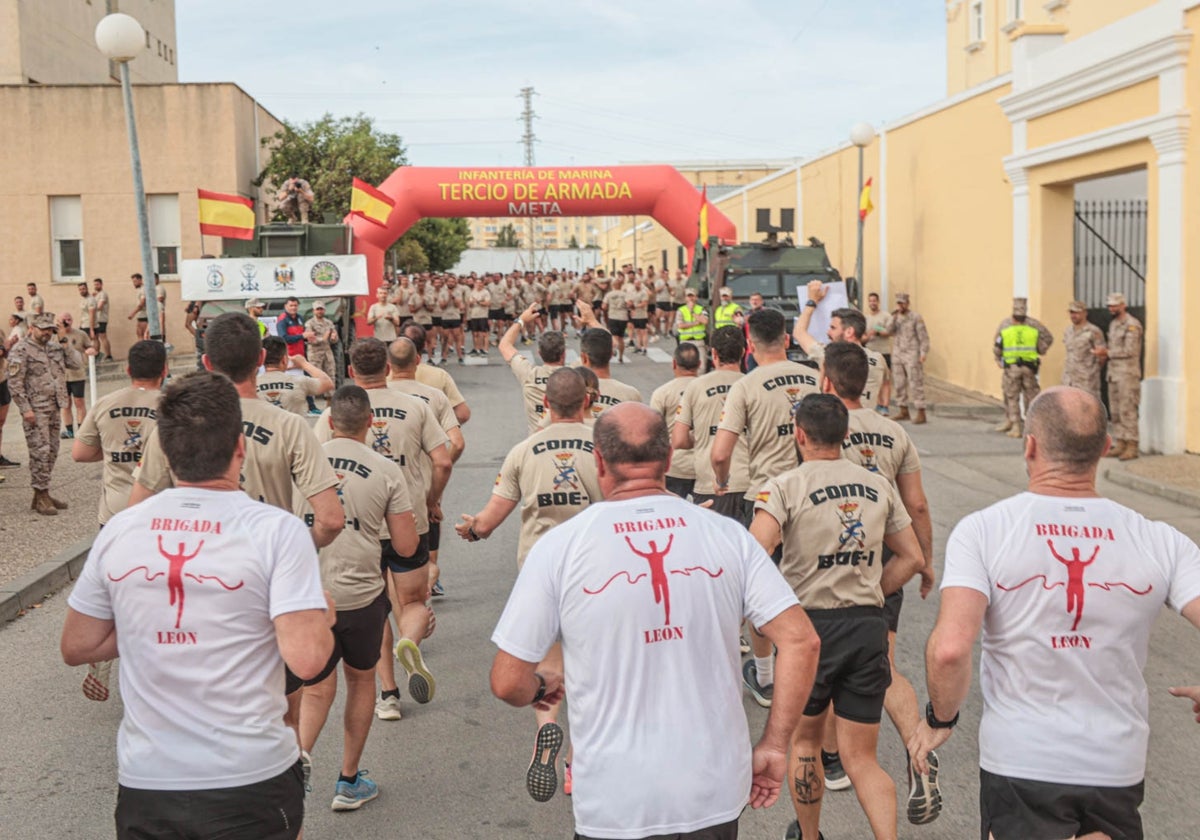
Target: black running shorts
[5,394]
[853,670]
[272,809]
[892,603]
[477,324]
[617,327]
[496,314]
[681,487]
[1021,809]
[75,389]
[651,308]
[728,505]
[435,535]
[451,323]
[436,321]
[101,328]
[639,323]
[357,636]
[393,562]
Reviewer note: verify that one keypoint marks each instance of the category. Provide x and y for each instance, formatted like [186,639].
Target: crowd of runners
[743,457]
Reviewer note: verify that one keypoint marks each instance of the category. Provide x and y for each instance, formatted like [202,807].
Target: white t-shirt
[651,657]
[201,675]
[1074,587]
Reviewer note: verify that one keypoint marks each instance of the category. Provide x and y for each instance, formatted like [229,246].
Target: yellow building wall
[191,136]
[1191,244]
[1083,17]
[1125,105]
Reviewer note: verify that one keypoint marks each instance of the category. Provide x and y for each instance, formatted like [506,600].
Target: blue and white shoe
[350,797]
[438,591]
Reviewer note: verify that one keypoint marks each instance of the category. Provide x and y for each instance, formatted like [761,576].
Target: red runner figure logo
[175,575]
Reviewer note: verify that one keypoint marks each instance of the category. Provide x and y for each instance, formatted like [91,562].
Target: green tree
[410,257]
[574,243]
[442,240]
[329,153]
[507,237]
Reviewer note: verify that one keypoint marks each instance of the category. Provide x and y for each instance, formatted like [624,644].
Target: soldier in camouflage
[910,347]
[37,378]
[1019,344]
[1124,356]
[1082,369]
[321,335]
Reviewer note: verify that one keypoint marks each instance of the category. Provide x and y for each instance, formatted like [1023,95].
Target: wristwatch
[934,723]
[541,692]
[811,303]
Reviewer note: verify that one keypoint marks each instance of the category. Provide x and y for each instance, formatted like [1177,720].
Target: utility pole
[528,139]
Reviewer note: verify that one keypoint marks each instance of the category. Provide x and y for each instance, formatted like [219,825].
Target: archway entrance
[541,191]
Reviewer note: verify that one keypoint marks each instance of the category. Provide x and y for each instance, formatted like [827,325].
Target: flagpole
[861,136]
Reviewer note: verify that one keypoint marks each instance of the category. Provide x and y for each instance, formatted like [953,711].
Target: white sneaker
[388,708]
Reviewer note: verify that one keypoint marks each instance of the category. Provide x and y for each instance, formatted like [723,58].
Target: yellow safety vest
[724,314]
[691,313]
[1018,343]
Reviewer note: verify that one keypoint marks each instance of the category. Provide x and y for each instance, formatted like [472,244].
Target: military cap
[1020,307]
[44,321]
[1077,306]
[319,304]
[901,297]
[255,303]
[1114,299]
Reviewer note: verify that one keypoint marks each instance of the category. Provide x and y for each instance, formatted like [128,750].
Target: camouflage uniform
[1019,380]
[1082,369]
[37,379]
[910,341]
[320,353]
[1124,377]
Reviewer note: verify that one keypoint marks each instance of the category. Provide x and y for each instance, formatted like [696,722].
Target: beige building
[66,190]
[52,42]
[976,195]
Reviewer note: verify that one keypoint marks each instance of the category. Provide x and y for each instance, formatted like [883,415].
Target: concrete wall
[191,136]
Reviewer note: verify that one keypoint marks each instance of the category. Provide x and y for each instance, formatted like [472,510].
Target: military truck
[776,268]
[310,262]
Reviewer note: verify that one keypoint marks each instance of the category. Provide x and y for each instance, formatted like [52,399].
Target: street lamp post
[121,39]
[861,135]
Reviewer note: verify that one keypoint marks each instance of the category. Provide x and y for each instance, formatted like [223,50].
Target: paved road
[455,768]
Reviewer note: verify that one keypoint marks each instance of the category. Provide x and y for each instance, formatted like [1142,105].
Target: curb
[968,412]
[1154,488]
[31,588]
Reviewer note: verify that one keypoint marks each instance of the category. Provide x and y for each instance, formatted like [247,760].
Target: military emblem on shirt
[868,458]
[852,535]
[341,486]
[133,436]
[273,397]
[567,476]
[381,441]
[794,396]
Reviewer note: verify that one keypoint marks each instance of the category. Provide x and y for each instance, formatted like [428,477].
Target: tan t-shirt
[79,341]
[404,431]
[700,407]
[879,444]
[833,516]
[118,424]
[759,406]
[533,387]
[101,307]
[370,487]
[281,451]
[614,392]
[478,301]
[438,402]
[435,377]
[665,400]
[283,390]
[552,473]
[615,305]
[385,328]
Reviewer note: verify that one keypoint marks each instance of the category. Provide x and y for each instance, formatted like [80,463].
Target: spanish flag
[864,201]
[704,218]
[370,203]
[226,215]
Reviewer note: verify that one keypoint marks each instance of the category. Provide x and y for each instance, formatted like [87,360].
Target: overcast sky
[617,80]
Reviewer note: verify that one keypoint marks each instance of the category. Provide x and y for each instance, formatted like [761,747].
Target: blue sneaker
[437,590]
[350,797]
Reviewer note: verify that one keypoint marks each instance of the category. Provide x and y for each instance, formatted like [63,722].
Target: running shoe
[761,694]
[314,412]
[835,773]
[66,434]
[540,779]
[924,796]
[743,645]
[351,797]
[437,590]
[95,684]
[792,832]
[306,769]
[420,681]
[7,464]
[568,783]
[387,708]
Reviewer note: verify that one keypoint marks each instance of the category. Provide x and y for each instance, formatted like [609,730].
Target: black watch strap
[933,721]
[541,692]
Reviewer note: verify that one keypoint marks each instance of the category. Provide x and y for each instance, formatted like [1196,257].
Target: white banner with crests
[273,278]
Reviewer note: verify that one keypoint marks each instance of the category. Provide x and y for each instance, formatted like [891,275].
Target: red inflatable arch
[656,191]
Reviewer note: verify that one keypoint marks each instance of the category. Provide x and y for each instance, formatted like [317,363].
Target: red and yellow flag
[226,215]
[704,217]
[370,203]
[864,201]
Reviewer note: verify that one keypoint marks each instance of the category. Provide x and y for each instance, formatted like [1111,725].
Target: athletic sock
[827,757]
[395,692]
[765,666]
[350,780]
